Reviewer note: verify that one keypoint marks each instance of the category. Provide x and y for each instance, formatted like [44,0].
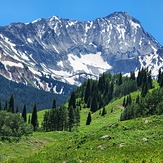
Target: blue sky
[148,12]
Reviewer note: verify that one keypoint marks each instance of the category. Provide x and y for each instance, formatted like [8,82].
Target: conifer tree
[64,118]
[111,89]
[34,120]
[71,118]
[89,119]
[94,103]
[89,102]
[29,119]
[137,99]
[161,80]
[6,105]
[0,106]
[24,113]
[124,102]
[103,111]
[101,83]
[87,91]
[11,104]
[72,100]
[77,116]
[159,76]
[120,79]
[47,121]
[54,104]
[132,75]
[149,80]
[129,99]
[144,89]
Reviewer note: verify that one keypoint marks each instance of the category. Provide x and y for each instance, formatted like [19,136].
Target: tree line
[147,103]
[96,94]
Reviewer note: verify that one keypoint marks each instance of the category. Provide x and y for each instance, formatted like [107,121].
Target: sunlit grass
[137,140]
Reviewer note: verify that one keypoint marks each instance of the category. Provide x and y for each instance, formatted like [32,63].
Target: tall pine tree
[120,79]
[6,105]
[11,104]
[103,111]
[72,100]
[24,113]
[87,91]
[54,104]
[71,118]
[34,120]
[89,119]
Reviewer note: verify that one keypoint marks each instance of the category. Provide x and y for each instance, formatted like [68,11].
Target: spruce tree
[89,102]
[34,120]
[0,106]
[137,99]
[94,103]
[54,104]
[77,116]
[120,79]
[159,76]
[89,119]
[24,113]
[72,100]
[87,91]
[29,119]
[144,89]
[103,111]
[149,80]
[11,104]
[129,99]
[101,83]
[6,105]
[71,118]
[161,80]
[124,102]
[132,75]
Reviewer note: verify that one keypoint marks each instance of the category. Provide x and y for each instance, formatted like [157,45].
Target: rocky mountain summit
[57,54]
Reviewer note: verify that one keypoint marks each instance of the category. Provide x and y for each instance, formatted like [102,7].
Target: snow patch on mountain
[88,63]
[11,64]
[135,25]
[153,62]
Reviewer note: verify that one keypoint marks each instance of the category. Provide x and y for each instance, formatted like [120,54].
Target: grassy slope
[134,140]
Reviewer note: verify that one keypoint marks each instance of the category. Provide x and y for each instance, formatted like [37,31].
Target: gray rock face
[47,53]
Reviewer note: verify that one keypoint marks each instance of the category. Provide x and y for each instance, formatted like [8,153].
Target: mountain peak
[119,14]
[63,50]
[54,18]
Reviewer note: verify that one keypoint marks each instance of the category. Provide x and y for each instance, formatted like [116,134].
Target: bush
[13,125]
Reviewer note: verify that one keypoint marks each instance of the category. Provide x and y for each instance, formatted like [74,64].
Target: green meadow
[106,139]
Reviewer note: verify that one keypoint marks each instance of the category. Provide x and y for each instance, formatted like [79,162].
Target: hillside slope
[27,95]
[104,140]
